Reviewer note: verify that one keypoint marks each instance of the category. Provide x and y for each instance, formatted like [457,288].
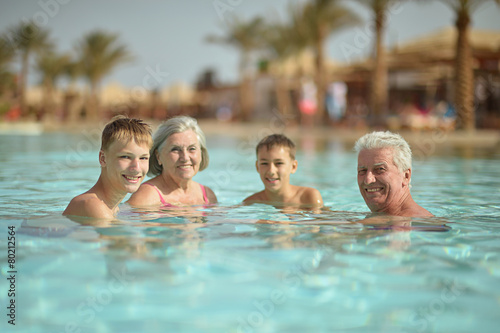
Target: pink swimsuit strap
[166,204]
[204,194]
[163,202]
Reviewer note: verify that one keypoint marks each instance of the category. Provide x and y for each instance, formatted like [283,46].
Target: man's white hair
[401,149]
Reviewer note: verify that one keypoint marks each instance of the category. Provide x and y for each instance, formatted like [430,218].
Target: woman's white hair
[174,125]
[401,149]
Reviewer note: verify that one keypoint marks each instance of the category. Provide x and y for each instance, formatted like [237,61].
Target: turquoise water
[229,268]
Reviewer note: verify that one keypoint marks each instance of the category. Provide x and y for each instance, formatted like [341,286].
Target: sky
[168,37]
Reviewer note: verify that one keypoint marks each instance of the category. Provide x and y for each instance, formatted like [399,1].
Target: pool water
[258,268]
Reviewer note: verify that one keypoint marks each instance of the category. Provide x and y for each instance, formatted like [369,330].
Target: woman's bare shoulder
[212,198]
[146,195]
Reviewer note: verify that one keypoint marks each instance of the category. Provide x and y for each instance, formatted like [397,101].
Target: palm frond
[99,53]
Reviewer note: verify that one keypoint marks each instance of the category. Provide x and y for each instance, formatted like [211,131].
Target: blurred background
[396,64]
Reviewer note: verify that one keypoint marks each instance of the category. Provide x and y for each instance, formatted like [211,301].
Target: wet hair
[174,125]
[375,140]
[278,140]
[123,128]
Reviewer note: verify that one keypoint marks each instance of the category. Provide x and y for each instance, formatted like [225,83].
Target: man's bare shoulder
[255,198]
[88,205]
[418,211]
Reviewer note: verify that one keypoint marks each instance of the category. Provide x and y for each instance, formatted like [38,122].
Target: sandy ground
[426,140]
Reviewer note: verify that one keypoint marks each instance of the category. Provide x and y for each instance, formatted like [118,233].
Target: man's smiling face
[383,186]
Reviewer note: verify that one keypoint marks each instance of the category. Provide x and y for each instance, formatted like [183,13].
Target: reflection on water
[142,235]
[229,266]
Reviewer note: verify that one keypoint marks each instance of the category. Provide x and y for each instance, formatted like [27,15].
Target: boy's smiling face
[125,164]
[275,166]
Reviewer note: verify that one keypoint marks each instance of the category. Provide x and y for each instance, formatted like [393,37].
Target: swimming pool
[227,269]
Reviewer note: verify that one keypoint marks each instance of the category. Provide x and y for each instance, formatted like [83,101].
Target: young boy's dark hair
[279,140]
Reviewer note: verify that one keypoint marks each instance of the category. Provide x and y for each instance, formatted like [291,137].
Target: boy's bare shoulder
[256,197]
[89,205]
[309,196]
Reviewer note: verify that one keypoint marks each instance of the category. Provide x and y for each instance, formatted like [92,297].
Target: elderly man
[384,175]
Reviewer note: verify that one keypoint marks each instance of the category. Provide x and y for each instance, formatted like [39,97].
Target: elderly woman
[178,153]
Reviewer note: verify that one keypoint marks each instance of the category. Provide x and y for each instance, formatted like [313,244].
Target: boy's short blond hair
[278,140]
[123,128]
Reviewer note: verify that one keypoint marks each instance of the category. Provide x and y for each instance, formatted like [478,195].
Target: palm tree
[318,19]
[72,71]
[244,36]
[464,74]
[27,37]
[6,56]
[99,53]
[6,52]
[278,42]
[51,67]
[379,87]
[282,41]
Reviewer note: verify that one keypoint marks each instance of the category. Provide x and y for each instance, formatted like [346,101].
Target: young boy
[275,162]
[124,160]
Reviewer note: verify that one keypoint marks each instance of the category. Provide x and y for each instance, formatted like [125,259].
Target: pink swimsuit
[166,204]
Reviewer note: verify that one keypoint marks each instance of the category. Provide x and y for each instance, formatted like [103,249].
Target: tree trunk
[245,90]
[92,107]
[22,84]
[73,103]
[48,103]
[245,99]
[282,98]
[464,75]
[321,115]
[379,89]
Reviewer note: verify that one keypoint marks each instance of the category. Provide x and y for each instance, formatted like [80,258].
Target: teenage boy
[275,163]
[124,160]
